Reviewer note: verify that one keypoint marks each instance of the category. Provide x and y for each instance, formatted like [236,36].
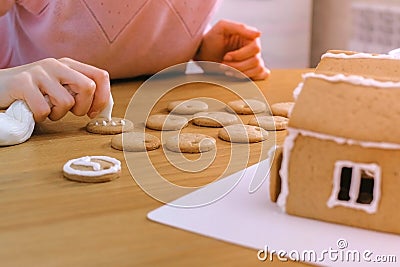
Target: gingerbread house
[340,159]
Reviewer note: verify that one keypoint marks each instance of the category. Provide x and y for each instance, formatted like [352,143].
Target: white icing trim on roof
[347,141]
[353,79]
[359,55]
[297,90]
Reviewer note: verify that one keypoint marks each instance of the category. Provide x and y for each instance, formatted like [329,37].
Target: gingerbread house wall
[310,183]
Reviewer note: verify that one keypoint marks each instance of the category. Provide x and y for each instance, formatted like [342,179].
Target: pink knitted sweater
[126,37]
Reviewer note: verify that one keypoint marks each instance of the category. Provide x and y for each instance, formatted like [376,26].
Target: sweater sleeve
[5,6]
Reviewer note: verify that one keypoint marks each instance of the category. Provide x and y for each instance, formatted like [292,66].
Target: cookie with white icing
[240,133]
[105,126]
[135,142]
[190,143]
[166,122]
[246,106]
[92,169]
[270,123]
[187,107]
[215,119]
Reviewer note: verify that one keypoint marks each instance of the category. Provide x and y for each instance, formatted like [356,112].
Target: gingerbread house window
[356,185]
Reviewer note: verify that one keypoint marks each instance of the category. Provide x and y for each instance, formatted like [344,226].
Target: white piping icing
[284,171]
[353,79]
[97,171]
[347,141]
[16,124]
[359,55]
[297,90]
[106,112]
[355,186]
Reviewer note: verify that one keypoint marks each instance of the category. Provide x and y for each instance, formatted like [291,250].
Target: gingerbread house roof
[377,66]
[350,107]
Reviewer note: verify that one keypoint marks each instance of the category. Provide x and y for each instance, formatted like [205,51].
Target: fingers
[93,98]
[248,60]
[249,50]
[234,28]
[50,75]
[69,86]
[61,101]
[36,103]
[243,49]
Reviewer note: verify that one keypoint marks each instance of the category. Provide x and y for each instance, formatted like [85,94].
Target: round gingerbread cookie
[190,143]
[215,119]
[270,123]
[246,106]
[239,133]
[187,107]
[135,142]
[166,122]
[92,169]
[282,109]
[113,126]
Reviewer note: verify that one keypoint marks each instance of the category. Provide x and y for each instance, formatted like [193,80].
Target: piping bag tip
[107,111]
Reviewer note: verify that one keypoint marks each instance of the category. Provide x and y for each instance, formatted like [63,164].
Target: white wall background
[285,26]
[338,25]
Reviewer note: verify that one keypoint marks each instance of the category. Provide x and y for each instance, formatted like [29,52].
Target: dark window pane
[345,182]
[366,192]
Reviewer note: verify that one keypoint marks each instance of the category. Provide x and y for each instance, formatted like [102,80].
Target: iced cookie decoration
[106,126]
[92,169]
[16,124]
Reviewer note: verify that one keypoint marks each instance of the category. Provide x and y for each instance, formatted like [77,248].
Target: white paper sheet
[250,220]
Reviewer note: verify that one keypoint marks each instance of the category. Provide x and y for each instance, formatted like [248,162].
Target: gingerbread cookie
[190,143]
[163,122]
[187,107]
[104,126]
[215,119]
[282,109]
[246,106]
[270,123]
[92,169]
[135,142]
[239,133]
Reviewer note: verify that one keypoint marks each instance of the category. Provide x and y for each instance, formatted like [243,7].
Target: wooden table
[47,220]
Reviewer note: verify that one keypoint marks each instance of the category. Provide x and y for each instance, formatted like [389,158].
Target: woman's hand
[235,45]
[67,84]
